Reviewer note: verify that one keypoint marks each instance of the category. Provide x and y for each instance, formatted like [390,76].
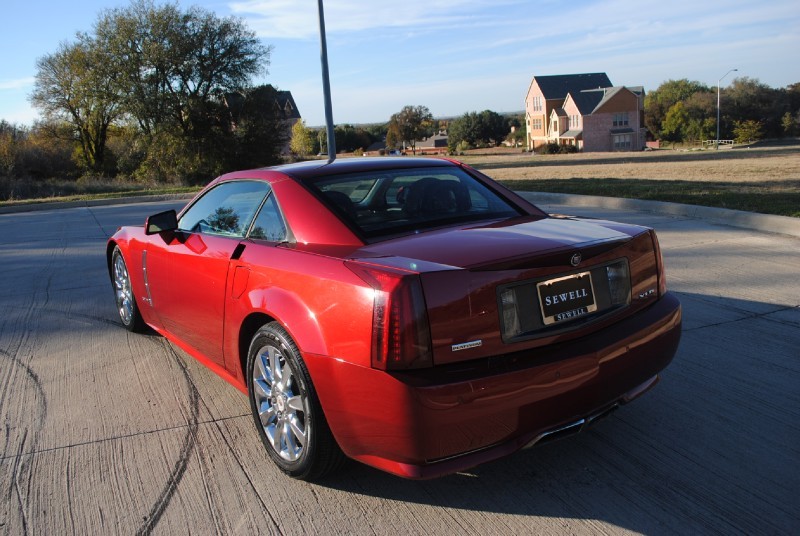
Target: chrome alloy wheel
[282,409]
[122,291]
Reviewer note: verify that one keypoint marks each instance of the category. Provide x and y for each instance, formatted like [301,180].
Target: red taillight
[662,278]
[401,337]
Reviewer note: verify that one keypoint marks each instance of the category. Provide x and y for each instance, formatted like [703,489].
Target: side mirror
[163,221]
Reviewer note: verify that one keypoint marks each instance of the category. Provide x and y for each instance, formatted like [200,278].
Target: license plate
[566,298]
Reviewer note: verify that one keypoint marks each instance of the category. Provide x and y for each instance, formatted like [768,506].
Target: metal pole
[326,85]
[716,141]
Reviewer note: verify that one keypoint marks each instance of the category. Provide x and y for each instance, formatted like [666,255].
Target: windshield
[384,203]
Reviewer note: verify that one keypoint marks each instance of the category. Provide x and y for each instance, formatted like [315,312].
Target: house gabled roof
[558,86]
[437,140]
[286,104]
[589,101]
[637,90]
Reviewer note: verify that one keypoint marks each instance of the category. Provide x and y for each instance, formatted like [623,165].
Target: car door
[192,307]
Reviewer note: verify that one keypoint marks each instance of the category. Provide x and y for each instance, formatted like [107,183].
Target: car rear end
[491,336]
[471,363]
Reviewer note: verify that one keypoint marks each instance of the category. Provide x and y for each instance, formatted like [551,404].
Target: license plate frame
[566,298]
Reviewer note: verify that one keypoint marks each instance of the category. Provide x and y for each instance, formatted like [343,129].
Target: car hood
[496,244]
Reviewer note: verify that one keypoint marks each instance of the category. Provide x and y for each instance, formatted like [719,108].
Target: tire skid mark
[25,323]
[207,492]
[21,465]
[245,473]
[189,442]
[28,371]
[16,469]
[176,475]
[216,422]
[67,486]
[264,507]
[72,315]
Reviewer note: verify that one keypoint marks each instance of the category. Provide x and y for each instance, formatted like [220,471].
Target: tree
[748,99]
[674,123]
[790,124]
[74,85]
[10,137]
[493,127]
[659,101]
[260,131]
[169,72]
[408,125]
[174,66]
[302,143]
[748,131]
[477,129]
[518,130]
[464,132]
[175,73]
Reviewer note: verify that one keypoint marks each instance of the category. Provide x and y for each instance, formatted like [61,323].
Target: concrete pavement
[115,433]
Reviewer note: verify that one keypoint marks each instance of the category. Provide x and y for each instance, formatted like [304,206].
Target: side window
[269,223]
[225,210]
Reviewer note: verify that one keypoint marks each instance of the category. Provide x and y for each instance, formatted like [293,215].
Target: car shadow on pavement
[713,447]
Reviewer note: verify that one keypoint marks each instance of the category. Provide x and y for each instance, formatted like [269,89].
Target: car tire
[285,407]
[127,308]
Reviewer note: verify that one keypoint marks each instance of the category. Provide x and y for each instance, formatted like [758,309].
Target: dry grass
[763,178]
[759,179]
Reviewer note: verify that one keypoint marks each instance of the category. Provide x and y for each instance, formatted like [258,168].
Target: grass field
[763,178]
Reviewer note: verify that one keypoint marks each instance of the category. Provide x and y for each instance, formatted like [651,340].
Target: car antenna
[326,85]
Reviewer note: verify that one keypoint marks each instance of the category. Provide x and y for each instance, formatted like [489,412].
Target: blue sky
[453,56]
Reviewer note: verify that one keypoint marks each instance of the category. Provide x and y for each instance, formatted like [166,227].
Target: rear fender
[258,307]
[293,314]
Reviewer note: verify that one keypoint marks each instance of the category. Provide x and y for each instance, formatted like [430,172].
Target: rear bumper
[422,426]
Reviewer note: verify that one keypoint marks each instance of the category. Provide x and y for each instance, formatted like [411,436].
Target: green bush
[551,148]
[568,149]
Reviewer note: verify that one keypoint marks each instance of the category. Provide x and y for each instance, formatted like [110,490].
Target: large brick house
[584,110]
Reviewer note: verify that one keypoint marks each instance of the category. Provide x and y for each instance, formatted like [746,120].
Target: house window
[537,124]
[537,104]
[622,142]
[574,123]
[621,119]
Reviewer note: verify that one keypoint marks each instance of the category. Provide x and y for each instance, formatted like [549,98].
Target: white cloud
[19,83]
[298,19]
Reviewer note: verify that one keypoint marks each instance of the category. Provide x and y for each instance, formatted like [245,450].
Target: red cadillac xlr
[411,314]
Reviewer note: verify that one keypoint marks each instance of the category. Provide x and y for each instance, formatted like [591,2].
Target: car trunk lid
[463,272]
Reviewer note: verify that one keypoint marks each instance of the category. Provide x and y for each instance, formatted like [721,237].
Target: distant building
[291,115]
[436,144]
[286,108]
[584,110]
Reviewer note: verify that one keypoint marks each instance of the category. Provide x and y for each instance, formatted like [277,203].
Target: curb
[767,223]
[57,205]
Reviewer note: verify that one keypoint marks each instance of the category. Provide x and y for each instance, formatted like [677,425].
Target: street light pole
[326,84]
[716,141]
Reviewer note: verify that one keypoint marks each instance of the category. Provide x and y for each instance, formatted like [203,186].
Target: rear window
[392,202]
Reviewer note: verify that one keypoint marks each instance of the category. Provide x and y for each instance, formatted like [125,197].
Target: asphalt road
[106,432]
